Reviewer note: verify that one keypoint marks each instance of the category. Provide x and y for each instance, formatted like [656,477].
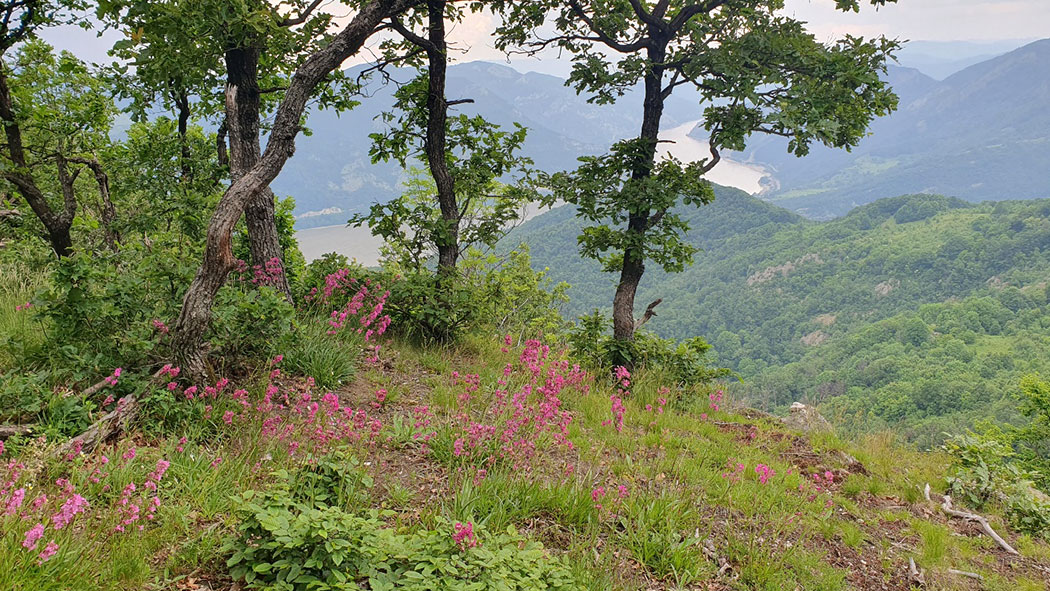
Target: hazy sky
[932,20]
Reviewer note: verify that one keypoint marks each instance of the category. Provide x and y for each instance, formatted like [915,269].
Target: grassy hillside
[421,473]
[797,306]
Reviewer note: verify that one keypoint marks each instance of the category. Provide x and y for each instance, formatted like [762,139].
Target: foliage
[606,192]
[297,544]
[683,363]
[169,184]
[100,307]
[512,297]
[250,321]
[1032,440]
[985,470]
[479,155]
[430,308]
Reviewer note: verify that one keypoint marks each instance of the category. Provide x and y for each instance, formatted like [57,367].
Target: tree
[755,71]
[466,156]
[56,115]
[181,49]
[218,258]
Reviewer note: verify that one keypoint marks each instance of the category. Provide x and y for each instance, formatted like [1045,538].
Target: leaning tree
[218,260]
[231,59]
[754,69]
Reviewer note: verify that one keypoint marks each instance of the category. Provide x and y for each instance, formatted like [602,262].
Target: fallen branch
[96,387]
[915,574]
[985,525]
[963,573]
[7,431]
[113,422]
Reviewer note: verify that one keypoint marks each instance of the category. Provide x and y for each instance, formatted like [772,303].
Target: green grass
[681,491]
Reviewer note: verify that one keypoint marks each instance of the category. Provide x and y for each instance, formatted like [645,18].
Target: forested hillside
[871,306]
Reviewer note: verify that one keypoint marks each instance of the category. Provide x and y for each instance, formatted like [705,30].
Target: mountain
[941,59]
[798,307]
[981,133]
[977,135]
[332,176]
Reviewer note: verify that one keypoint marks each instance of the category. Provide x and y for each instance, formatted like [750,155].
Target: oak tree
[754,70]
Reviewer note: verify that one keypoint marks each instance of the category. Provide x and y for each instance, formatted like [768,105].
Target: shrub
[984,471]
[297,542]
[249,321]
[427,308]
[683,363]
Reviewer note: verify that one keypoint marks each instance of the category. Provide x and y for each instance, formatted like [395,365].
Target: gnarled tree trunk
[58,224]
[242,122]
[218,256]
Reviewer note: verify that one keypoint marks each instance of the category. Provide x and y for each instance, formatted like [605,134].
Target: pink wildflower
[73,505]
[764,473]
[464,535]
[33,536]
[48,552]
[15,502]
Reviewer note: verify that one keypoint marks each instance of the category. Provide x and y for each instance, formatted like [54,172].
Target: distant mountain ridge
[983,133]
[332,169]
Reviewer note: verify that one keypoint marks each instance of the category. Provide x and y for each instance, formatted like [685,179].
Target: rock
[806,419]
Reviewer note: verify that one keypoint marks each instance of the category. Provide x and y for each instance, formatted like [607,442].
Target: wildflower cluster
[615,496]
[521,412]
[23,307]
[48,520]
[294,417]
[365,305]
[715,399]
[463,535]
[623,379]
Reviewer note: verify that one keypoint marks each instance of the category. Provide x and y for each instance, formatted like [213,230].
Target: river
[359,244]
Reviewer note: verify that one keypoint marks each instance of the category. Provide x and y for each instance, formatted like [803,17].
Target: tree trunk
[242,120]
[108,213]
[182,103]
[57,225]
[447,238]
[638,221]
[218,260]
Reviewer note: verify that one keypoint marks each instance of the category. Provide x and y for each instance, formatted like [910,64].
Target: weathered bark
[434,142]
[221,153]
[243,112]
[218,256]
[638,222]
[57,224]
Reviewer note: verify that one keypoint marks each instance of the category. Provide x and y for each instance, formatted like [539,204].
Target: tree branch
[602,36]
[291,22]
[690,11]
[413,38]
